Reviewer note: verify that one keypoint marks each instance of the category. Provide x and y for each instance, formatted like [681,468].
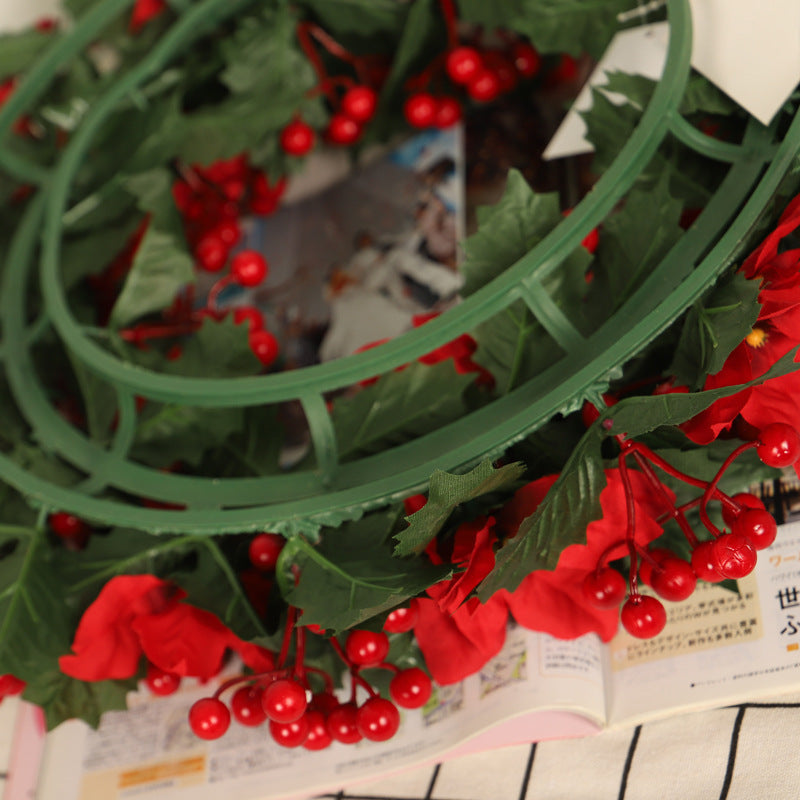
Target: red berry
[779,445]
[284,701]
[401,620]
[249,268]
[463,64]
[704,564]
[228,231]
[10,685]
[264,346]
[758,526]
[484,87]
[247,706]
[342,724]
[646,567]
[448,112]
[503,69]
[675,580]
[318,737]
[160,682]
[590,413]
[411,688]
[420,110]
[367,648]
[289,734]
[746,501]
[211,253]
[359,103]
[297,138]
[643,616]
[604,588]
[343,130]
[265,549]
[566,70]
[734,555]
[378,719]
[67,526]
[209,718]
[526,59]
[324,702]
[234,189]
[250,315]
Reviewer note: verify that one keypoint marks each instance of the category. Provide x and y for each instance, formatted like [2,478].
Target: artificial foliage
[555,529]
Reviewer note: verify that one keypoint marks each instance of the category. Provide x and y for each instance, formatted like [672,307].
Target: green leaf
[352,575]
[161,266]
[507,231]
[714,327]
[99,399]
[445,493]
[400,406]
[702,96]
[572,26]
[91,253]
[497,14]
[560,520]
[635,416]
[635,239]
[19,51]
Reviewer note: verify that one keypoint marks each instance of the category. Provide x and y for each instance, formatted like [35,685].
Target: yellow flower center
[756,337]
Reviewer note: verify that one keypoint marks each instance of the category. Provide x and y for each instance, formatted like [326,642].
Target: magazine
[718,648]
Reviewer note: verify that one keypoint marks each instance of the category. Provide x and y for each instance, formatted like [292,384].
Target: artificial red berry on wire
[643,616]
[209,718]
[526,59]
[378,719]
[604,588]
[734,555]
[359,103]
[420,110]
[249,268]
[289,734]
[67,526]
[343,130]
[160,682]
[228,231]
[264,550]
[503,68]
[655,558]
[264,346]
[448,112]
[297,138]
[746,501]
[366,648]
[401,620]
[704,564]
[211,253]
[675,580]
[343,725]
[319,736]
[463,64]
[758,526]
[411,688]
[484,87]
[250,315]
[284,701]
[247,707]
[779,445]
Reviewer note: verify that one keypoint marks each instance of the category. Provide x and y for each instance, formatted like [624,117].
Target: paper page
[149,751]
[639,51]
[717,647]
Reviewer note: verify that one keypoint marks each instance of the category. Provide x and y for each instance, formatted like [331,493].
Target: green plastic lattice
[333,491]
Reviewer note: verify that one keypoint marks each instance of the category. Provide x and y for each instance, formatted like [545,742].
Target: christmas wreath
[585,417]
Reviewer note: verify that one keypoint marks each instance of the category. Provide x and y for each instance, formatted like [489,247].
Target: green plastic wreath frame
[334,491]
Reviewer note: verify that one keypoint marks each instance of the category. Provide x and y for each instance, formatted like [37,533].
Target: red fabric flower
[140,614]
[143,12]
[10,685]
[775,333]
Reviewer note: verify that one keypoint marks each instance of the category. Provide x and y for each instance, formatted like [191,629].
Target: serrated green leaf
[352,575]
[635,416]
[359,19]
[507,231]
[560,520]
[713,328]
[497,14]
[571,26]
[19,51]
[446,491]
[702,96]
[399,407]
[90,254]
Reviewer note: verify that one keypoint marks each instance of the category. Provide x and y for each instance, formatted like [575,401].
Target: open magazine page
[718,647]
[149,752]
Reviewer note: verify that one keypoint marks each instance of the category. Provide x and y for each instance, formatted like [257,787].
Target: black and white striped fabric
[744,752]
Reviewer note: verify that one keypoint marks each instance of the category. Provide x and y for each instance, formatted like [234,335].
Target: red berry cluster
[71,530]
[728,554]
[484,74]
[298,717]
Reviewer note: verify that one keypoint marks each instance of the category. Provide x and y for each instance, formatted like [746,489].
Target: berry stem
[630,528]
[712,486]
[142,332]
[451,21]
[291,621]
[329,687]
[300,653]
[216,290]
